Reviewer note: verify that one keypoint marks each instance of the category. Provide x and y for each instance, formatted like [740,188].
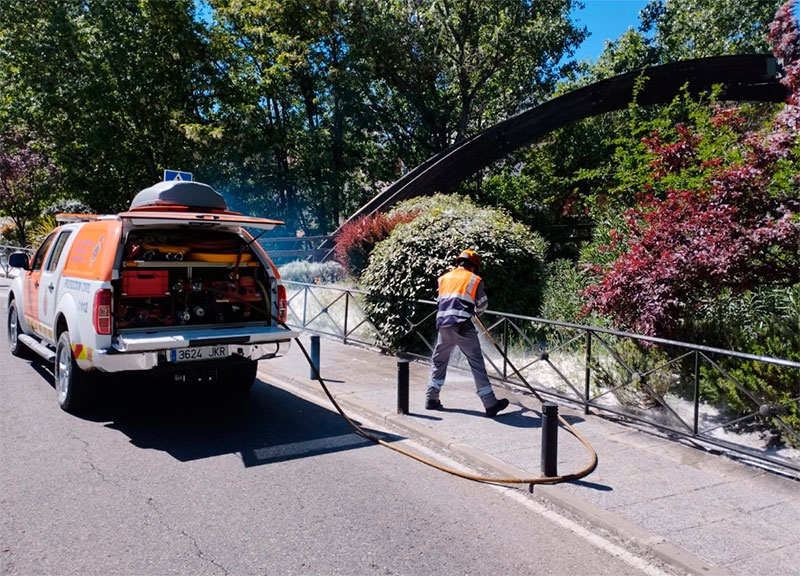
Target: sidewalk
[699,512]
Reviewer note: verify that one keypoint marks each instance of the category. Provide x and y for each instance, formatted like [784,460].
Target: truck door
[49,285]
[32,283]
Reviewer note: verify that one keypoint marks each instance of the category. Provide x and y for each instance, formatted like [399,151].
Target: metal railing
[288,249]
[682,389]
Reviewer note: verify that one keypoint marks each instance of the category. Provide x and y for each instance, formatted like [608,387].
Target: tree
[671,30]
[701,28]
[290,125]
[27,176]
[310,122]
[720,210]
[574,171]
[110,83]
[444,70]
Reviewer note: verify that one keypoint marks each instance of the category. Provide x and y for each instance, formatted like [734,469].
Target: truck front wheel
[16,347]
[71,381]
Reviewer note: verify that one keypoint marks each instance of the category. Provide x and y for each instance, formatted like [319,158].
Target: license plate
[202,353]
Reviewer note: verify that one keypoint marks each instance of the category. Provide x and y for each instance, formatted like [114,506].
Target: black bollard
[402,386]
[314,372]
[549,439]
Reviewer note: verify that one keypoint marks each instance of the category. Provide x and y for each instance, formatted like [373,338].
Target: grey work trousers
[465,337]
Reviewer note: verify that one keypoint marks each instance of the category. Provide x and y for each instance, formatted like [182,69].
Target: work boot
[433,405]
[497,407]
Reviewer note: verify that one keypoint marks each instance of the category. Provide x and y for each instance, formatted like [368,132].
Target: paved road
[149,482]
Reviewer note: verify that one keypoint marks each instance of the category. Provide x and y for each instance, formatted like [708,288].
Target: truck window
[38,259]
[58,248]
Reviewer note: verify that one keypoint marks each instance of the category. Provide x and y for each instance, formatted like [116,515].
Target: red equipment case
[145,283]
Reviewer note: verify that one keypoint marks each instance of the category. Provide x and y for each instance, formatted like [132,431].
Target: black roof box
[197,196]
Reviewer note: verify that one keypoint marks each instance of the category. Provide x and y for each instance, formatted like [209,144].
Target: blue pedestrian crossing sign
[177,175]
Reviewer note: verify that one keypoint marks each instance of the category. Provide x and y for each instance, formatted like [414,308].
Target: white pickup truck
[176,285]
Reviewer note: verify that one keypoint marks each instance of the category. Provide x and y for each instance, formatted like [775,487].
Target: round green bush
[405,266]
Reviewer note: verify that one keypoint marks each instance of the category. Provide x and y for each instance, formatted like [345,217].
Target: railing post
[588,371]
[346,314]
[505,349]
[549,439]
[305,304]
[402,386]
[315,365]
[696,425]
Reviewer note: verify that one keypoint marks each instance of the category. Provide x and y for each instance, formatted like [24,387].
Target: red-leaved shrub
[356,239]
[735,227]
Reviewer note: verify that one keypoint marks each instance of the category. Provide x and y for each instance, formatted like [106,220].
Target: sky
[606,20]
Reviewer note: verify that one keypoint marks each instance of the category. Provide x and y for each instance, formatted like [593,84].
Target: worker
[461,296]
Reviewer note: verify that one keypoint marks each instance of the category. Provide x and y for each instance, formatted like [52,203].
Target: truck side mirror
[19,260]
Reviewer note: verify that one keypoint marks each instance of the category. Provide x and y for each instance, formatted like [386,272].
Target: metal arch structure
[749,77]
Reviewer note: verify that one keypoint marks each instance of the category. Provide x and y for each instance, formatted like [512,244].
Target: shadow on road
[192,422]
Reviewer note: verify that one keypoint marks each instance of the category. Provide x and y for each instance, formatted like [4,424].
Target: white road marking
[296,449]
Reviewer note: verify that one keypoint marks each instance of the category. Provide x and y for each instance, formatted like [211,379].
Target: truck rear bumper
[169,339]
[145,351]
[112,361]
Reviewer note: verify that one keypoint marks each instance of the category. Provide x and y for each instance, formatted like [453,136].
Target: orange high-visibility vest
[461,296]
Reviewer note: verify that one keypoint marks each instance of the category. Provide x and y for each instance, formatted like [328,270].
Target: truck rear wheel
[16,347]
[240,378]
[71,381]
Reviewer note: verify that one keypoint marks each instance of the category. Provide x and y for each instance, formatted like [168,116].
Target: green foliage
[406,265]
[313,272]
[110,84]
[450,68]
[562,298]
[700,28]
[765,322]
[546,183]
[322,104]
[607,244]
[304,110]
[732,320]
[291,131]
[710,242]
[637,373]
[670,31]
[709,214]
[40,229]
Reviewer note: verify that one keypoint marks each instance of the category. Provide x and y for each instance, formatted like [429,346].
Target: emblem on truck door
[97,248]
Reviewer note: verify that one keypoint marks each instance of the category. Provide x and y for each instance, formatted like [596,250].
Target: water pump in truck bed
[210,301]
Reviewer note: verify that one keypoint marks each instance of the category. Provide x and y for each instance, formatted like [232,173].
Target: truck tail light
[102,311]
[283,304]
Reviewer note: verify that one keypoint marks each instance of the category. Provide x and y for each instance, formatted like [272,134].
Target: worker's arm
[481,301]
